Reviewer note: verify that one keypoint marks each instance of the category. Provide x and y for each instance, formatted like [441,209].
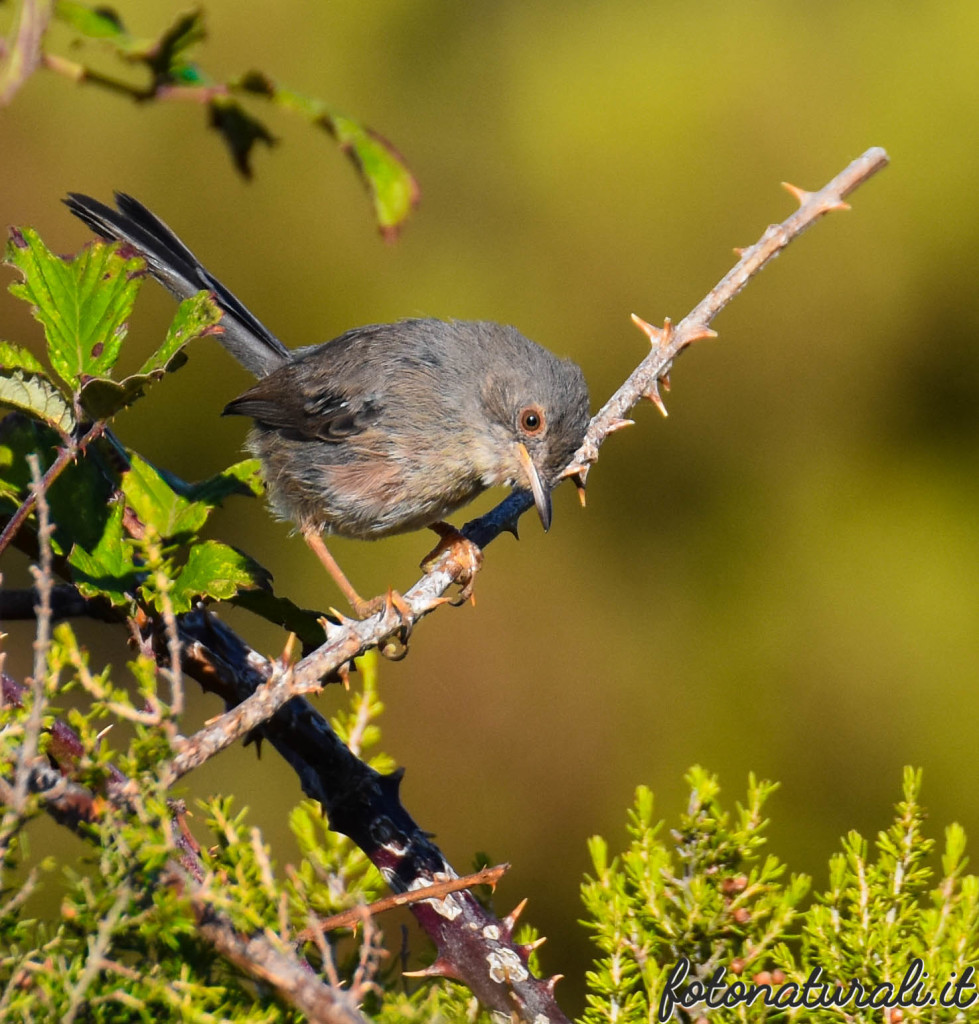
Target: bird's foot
[395,645]
[464,562]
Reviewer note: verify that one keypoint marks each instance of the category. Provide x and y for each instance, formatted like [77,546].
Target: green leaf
[196,317]
[215,570]
[393,188]
[108,569]
[157,505]
[13,357]
[242,478]
[82,303]
[93,22]
[24,385]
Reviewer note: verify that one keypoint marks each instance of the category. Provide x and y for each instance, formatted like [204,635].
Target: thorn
[105,732]
[800,195]
[658,336]
[528,947]
[665,380]
[287,652]
[580,485]
[740,250]
[343,671]
[551,983]
[440,968]
[700,331]
[652,393]
[619,425]
[510,921]
[511,527]
[342,619]
[836,204]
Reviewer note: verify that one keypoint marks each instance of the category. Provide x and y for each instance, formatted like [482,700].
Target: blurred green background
[781,577]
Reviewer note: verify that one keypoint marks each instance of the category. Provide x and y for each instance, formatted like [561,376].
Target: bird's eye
[532,420]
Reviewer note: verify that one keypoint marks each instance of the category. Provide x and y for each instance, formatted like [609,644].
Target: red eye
[532,420]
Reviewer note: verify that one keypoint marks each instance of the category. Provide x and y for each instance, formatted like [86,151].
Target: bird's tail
[179,270]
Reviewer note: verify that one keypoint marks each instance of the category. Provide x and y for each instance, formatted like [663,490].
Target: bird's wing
[305,413]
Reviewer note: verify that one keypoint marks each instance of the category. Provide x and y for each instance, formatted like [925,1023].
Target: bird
[387,428]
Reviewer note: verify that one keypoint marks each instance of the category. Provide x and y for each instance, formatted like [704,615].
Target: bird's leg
[465,561]
[362,609]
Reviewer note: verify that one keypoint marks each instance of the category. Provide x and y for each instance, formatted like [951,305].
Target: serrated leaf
[13,357]
[393,188]
[24,385]
[215,570]
[156,504]
[82,303]
[195,317]
[108,569]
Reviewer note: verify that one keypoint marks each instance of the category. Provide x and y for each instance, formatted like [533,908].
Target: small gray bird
[386,428]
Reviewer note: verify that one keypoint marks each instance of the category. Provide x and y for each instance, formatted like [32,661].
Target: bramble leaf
[82,303]
[108,569]
[157,505]
[196,317]
[215,570]
[25,385]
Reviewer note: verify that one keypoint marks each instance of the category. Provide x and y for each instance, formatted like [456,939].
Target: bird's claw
[395,645]
[464,561]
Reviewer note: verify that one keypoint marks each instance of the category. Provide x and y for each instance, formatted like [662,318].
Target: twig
[436,891]
[260,959]
[349,638]
[28,753]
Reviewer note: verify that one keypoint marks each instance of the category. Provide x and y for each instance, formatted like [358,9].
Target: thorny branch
[349,638]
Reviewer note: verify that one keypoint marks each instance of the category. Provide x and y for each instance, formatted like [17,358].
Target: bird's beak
[542,494]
